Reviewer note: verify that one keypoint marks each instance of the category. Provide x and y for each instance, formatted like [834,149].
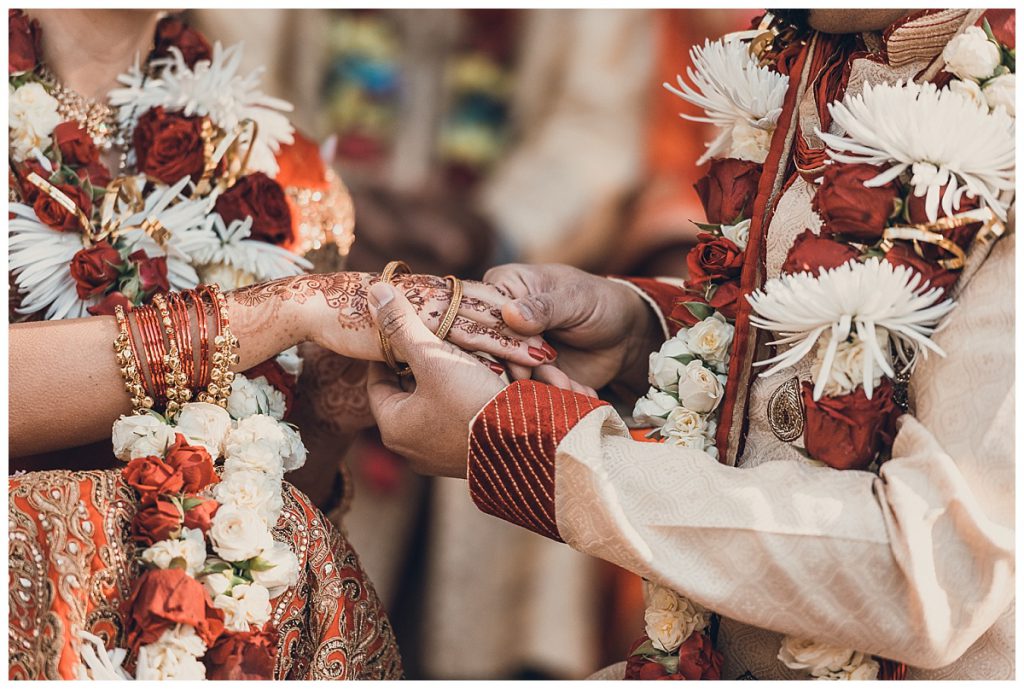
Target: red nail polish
[537,354]
[497,368]
[550,351]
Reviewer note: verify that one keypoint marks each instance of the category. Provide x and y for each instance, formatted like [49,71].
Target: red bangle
[153,343]
[204,341]
[183,335]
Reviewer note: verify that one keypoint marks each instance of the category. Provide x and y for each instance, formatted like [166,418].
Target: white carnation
[290,361]
[750,143]
[1002,92]
[820,659]
[217,583]
[255,396]
[277,569]
[175,655]
[141,436]
[33,117]
[738,234]
[253,438]
[253,492]
[710,340]
[971,55]
[237,536]
[187,552]
[699,388]
[248,604]
[653,407]
[204,424]
[295,458]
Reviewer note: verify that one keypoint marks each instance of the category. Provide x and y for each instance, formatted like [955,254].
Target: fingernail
[525,311]
[497,368]
[381,294]
[550,351]
[537,354]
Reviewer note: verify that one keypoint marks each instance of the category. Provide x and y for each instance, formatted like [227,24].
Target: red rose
[904,255]
[727,191]
[169,146]
[201,515]
[156,521]
[726,298]
[849,208]
[152,476]
[57,216]
[810,253]
[112,300]
[163,598]
[276,376]
[95,269]
[962,235]
[193,463]
[261,198]
[640,667]
[76,146]
[714,258]
[242,656]
[96,173]
[29,191]
[847,432]
[698,659]
[22,42]
[172,32]
[152,271]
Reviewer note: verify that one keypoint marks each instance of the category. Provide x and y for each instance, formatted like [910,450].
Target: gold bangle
[221,375]
[917,235]
[178,391]
[453,309]
[389,356]
[129,363]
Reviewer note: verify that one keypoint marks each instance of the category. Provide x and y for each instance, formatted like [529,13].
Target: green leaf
[988,31]
[699,311]
[670,663]
[708,227]
[189,503]
[219,566]
[647,650]
[684,359]
[258,564]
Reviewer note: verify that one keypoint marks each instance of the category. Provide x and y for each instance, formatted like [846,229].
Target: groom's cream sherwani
[915,564]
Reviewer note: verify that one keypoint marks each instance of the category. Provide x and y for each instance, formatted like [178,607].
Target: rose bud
[726,298]
[847,432]
[29,191]
[156,521]
[714,258]
[200,516]
[152,476]
[173,32]
[56,215]
[109,303]
[728,190]
[169,146]
[261,198]
[163,598]
[810,253]
[152,271]
[76,146]
[23,51]
[242,656]
[849,208]
[95,269]
[193,463]
[904,255]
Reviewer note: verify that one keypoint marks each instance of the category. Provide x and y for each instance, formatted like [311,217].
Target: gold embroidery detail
[786,411]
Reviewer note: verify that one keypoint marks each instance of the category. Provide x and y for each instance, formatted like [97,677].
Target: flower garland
[200,206]
[907,196]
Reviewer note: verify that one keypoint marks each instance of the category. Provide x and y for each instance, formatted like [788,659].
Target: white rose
[248,604]
[33,116]
[866,669]
[653,407]
[738,234]
[254,492]
[295,457]
[694,442]
[290,361]
[227,277]
[847,372]
[187,552]
[236,536]
[683,422]
[204,424]
[817,658]
[277,569]
[665,628]
[217,583]
[255,396]
[141,436]
[663,372]
[254,435]
[175,655]
[971,55]
[710,340]
[1002,92]
[750,143]
[970,90]
[660,597]
[699,388]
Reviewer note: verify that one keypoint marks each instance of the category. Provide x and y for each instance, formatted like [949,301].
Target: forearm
[652,301]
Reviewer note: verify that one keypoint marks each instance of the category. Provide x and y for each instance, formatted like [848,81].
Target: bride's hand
[331,310]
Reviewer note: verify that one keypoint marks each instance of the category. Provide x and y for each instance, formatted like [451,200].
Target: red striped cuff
[512,446]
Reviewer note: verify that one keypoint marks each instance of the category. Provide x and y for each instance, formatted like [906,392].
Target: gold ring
[453,309]
[389,356]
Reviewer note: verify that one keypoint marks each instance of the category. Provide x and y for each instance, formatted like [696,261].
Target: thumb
[383,391]
[536,313]
[397,320]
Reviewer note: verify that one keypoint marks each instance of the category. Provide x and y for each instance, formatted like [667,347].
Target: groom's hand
[430,425]
[603,330]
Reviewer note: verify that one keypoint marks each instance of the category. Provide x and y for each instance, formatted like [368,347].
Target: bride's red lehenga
[72,560]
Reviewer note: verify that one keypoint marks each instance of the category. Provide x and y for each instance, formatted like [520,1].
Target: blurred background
[470,138]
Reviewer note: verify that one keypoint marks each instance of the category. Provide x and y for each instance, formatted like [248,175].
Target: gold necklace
[97,118]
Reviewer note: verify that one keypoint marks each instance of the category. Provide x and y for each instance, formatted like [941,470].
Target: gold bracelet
[129,363]
[389,356]
[178,391]
[453,309]
[917,235]
[221,375]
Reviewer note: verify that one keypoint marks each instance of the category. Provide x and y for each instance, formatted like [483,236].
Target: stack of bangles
[399,267]
[165,354]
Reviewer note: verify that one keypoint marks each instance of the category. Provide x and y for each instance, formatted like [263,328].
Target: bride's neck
[88,49]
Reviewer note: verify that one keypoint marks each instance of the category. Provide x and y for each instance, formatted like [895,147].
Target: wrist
[644,336]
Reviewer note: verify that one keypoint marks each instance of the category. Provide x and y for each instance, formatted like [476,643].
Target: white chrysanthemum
[99,663]
[215,243]
[39,257]
[737,96]
[211,88]
[855,297]
[943,137]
